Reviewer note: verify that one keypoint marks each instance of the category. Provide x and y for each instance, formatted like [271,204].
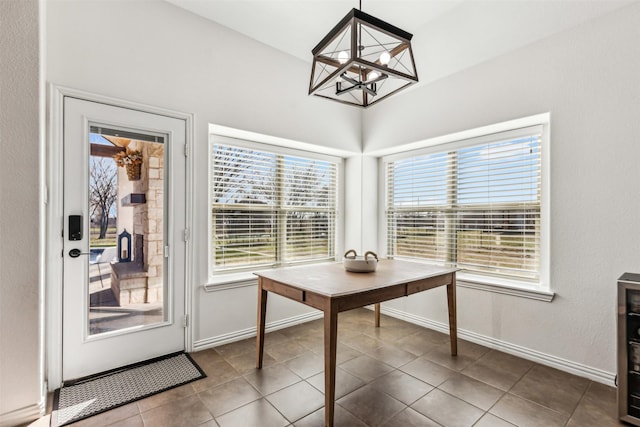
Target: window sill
[226,281]
[463,280]
[230,281]
[503,286]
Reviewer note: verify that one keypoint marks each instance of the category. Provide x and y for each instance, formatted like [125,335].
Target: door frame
[53,196]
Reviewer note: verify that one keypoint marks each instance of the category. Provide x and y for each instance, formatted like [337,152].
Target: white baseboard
[579,369]
[21,416]
[251,332]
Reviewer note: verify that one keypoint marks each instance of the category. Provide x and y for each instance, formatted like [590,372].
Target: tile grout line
[356,326]
[584,393]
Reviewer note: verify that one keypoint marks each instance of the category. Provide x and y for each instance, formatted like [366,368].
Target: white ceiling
[449,35]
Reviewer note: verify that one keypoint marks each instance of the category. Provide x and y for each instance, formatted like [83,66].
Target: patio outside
[126,206]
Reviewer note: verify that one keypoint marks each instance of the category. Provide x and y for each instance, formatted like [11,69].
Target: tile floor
[398,375]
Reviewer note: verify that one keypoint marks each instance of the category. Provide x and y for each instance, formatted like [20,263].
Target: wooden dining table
[332,289]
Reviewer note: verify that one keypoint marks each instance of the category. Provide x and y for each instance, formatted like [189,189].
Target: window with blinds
[270,208]
[474,204]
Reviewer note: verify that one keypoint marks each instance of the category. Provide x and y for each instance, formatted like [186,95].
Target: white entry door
[124,251]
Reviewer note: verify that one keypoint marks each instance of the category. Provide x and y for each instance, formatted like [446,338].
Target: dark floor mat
[89,396]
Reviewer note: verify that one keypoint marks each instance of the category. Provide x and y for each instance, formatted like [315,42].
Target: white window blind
[474,204]
[270,208]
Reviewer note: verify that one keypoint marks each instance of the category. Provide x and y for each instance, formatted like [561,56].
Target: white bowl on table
[355,263]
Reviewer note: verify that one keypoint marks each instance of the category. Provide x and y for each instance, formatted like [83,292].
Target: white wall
[588,78]
[360,207]
[19,211]
[154,53]
[157,54]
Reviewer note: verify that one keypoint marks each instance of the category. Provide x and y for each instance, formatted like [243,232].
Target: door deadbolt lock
[75,227]
[75,253]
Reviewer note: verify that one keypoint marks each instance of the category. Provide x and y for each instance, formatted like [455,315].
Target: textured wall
[183,62]
[588,78]
[19,206]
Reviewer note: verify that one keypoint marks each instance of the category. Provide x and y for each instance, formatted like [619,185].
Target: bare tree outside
[103,191]
[242,174]
[307,185]
[268,207]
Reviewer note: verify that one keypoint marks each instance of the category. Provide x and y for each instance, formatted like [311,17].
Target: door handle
[75,253]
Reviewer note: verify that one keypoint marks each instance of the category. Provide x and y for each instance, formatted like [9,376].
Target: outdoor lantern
[362,61]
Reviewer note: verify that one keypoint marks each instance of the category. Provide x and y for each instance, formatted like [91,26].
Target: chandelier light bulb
[373,75]
[343,57]
[385,57]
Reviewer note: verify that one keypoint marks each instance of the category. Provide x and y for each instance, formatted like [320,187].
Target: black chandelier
[362,61]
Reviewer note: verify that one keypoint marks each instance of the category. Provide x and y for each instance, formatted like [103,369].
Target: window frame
[535,289]
[223,279]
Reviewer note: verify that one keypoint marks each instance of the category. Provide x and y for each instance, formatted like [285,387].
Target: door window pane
[127,266]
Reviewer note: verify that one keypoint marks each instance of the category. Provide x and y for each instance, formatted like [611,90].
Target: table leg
[262,315]
[330,345]
[453,327]
[377,311]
